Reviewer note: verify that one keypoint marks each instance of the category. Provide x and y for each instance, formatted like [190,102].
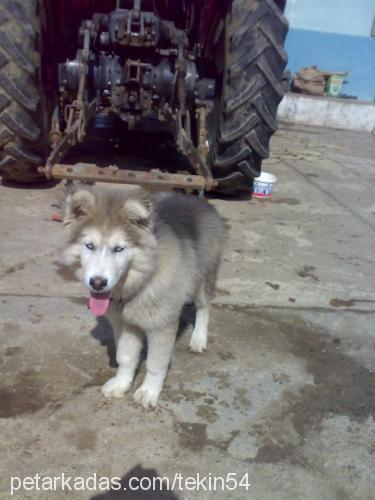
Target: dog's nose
[98,283]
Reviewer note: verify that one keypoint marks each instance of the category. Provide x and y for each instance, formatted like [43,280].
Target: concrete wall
[327,112]
[335,36]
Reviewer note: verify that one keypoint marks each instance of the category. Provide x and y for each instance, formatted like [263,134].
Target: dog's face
[107,233]
[105,255]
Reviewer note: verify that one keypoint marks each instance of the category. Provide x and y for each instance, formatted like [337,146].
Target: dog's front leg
[160,348]
[128,348]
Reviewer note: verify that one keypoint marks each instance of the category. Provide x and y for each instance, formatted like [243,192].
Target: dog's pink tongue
[99,303]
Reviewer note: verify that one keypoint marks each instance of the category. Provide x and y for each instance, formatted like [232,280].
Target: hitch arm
[154,179]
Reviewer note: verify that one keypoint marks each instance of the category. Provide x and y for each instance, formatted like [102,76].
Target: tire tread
[20,89]
[252,89]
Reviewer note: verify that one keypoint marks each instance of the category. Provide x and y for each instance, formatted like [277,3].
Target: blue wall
[349,17]
[335,36]
[332,52]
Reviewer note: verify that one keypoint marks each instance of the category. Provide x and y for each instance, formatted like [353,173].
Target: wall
[348,17]
[323,112]
[335,36]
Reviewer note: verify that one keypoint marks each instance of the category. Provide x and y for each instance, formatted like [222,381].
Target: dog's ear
[79,205]
[138,207]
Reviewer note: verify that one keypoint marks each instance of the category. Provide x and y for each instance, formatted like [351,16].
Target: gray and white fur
[153,254]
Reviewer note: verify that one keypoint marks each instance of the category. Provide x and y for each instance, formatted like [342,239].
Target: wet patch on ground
[99,378]
[13,269]
[24,395]
[11,328]
[11,351]
[182,394]
[335,385]
[222,291]
[286,201]
[341,386]
[307,271]
[81,301]
[274,286]
[342,302]
[61,369]
[207,413]
[83,439]
[225,356]
[192,435]
[67,273]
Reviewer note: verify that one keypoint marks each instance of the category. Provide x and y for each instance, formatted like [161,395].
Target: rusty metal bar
[61,148]
[187,148]
[70,138]
[202,133]
[193,155]
[153,179]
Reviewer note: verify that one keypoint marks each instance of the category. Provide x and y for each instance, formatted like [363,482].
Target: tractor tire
[22,109]
[254,60]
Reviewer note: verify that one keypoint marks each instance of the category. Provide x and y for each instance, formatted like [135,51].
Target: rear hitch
[132,89]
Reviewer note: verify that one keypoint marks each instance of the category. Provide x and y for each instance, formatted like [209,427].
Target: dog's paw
[115,387]
[147,397]
[198,344]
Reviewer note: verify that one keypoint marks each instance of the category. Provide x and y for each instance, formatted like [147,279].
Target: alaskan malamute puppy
[142,258]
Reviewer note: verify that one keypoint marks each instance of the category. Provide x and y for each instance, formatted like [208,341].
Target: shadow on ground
[139,484]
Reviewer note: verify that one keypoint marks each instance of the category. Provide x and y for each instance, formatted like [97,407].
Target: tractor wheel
[253,62]
[22,109]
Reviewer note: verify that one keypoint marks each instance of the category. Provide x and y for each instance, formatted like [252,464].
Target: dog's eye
[90,246]
[118,249]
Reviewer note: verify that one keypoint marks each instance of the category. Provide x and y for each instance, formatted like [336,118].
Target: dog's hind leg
[160,345]
[128,349]
[198,341]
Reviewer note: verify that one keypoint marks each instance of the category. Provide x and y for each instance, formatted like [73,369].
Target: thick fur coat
[143,257]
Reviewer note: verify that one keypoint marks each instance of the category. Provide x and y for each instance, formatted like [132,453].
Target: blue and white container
[263,185]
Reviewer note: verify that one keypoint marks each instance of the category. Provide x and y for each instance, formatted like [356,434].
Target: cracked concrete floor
[285,391]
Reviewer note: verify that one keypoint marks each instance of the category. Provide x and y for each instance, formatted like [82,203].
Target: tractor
[209,72]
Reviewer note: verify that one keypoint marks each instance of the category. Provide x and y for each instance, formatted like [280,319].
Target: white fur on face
[103,260]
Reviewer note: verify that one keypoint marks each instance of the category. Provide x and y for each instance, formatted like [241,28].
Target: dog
[144,256]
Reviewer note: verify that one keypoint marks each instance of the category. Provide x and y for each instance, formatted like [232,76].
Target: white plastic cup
[263,185]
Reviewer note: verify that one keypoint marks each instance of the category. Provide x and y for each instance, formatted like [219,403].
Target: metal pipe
[153,179]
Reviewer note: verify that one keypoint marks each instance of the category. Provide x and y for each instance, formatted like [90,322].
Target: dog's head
[109,233]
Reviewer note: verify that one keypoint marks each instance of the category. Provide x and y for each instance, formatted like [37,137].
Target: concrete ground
[285,392]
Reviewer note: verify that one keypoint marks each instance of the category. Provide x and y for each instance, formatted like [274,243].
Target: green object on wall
[334,85]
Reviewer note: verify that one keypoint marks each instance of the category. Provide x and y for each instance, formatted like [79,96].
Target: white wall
[331,113]
[350,17]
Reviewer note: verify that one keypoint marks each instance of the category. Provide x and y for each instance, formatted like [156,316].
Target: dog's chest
[137,311]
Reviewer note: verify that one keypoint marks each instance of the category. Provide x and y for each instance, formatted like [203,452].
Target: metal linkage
[78,115]
[164,85]
[154,179]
